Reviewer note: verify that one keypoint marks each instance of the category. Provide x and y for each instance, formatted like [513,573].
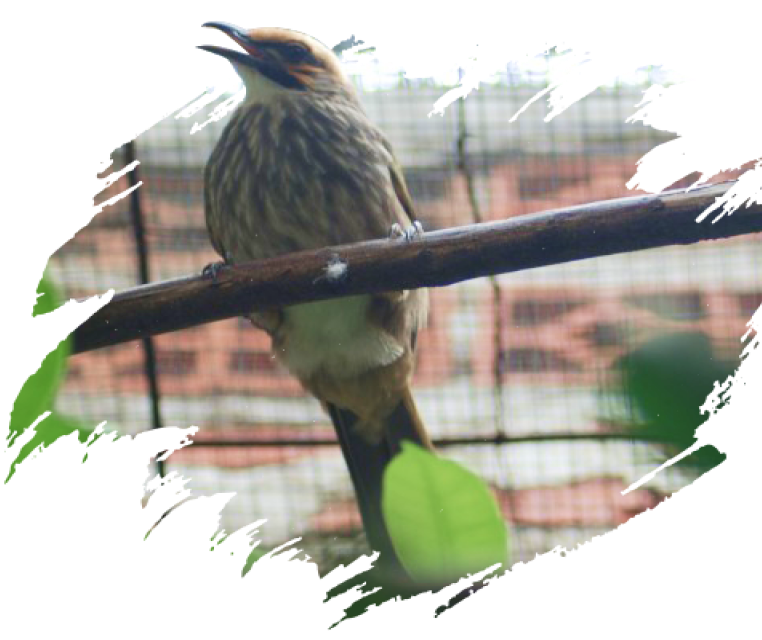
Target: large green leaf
[443,524]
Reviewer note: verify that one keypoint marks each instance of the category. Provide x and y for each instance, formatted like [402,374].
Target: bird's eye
[295,52]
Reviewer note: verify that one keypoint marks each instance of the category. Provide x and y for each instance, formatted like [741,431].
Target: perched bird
[300,166]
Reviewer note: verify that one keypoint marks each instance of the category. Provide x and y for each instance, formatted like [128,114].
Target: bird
[300,166]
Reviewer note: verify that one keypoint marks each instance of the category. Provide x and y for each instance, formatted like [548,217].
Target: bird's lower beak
[254,57]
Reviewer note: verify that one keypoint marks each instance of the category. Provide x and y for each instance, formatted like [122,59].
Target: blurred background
[559,386]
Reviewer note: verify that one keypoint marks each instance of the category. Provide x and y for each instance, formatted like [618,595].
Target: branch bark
[437,259]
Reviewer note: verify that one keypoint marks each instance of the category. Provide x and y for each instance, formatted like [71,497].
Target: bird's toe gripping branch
[213,268]
[414,231]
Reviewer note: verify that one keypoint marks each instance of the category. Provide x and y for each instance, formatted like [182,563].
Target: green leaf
[443,521]
[37,393]
[667,379]
[47,432]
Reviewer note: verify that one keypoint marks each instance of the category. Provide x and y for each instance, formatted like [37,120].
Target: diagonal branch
[438,258]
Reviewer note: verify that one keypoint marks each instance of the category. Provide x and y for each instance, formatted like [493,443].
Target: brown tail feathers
[367,462]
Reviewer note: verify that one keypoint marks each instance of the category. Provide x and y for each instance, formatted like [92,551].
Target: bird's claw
[415,230]
[212,269]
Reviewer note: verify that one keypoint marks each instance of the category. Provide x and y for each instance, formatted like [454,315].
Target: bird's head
[274,61]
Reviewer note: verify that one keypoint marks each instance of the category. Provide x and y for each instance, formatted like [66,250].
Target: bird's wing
[210,214]
[398,181]
[400,188]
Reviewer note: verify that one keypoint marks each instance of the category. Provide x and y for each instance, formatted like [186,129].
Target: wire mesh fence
[515,375]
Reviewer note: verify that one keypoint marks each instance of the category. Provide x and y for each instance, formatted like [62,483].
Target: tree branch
[436,259]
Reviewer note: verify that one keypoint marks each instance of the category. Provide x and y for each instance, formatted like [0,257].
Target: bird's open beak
[254,57]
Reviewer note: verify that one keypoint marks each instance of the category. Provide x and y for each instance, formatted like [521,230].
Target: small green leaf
[442,519]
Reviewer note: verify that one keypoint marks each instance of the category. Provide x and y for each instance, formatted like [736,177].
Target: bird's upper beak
[256,55]
[252,58]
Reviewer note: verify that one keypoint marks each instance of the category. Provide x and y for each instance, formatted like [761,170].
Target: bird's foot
[415,230]
[213,268]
